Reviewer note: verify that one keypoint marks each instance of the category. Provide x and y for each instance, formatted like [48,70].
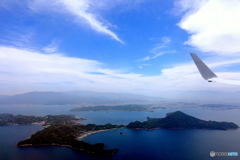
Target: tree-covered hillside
[180,120]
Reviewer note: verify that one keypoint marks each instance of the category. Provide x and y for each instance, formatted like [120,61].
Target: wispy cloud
[159,49]
[17,39]
[82,9]
[89,11]
[52,47]
[140,66]
[213,25]
[84,12]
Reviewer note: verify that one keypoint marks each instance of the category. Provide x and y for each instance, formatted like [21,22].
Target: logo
[212,153]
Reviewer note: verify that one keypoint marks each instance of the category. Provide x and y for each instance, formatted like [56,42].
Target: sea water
[132,144]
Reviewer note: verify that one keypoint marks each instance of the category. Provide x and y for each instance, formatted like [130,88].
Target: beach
[86,134]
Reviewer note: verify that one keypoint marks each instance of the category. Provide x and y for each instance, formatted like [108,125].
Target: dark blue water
[132,144]
[168,144]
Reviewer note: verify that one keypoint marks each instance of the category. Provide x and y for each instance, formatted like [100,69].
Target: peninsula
[124,108]
[180,120]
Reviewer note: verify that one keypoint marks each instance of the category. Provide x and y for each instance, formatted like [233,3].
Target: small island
[124,108]
[180,120]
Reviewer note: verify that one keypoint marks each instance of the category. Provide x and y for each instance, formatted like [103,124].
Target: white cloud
[82,9]
[213,25]
[19,67]
[23,70]
[187,6]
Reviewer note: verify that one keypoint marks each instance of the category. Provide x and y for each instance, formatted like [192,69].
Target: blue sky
[136,46]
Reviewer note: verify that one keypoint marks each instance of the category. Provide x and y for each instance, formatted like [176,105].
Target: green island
[68,135]
[180,120]
[125,108]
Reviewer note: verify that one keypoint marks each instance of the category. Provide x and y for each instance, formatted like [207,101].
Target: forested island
[180,120]
[125,108]
[67,135]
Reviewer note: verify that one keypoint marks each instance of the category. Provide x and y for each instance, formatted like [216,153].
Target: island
[68,135]
[180,120]
[124,108]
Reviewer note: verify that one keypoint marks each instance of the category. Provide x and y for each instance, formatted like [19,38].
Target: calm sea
[132,144]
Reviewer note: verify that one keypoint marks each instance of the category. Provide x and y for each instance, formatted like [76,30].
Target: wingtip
[192,54]
[205,72]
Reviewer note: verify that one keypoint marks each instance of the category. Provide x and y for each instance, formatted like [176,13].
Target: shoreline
[86,134]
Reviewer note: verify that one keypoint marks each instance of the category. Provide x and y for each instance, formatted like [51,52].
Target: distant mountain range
[76,97]
[108,98]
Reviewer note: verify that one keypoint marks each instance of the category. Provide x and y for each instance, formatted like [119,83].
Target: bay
[132,144]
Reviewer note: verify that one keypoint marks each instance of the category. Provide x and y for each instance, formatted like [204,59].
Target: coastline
[86,134]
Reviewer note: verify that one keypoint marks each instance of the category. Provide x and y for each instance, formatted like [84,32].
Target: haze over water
[132,144]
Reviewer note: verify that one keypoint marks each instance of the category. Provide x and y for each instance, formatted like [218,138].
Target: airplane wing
[207,74]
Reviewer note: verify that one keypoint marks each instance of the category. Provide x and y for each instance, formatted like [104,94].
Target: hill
[180,120]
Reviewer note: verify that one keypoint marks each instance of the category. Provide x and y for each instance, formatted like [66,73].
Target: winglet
[206,73]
